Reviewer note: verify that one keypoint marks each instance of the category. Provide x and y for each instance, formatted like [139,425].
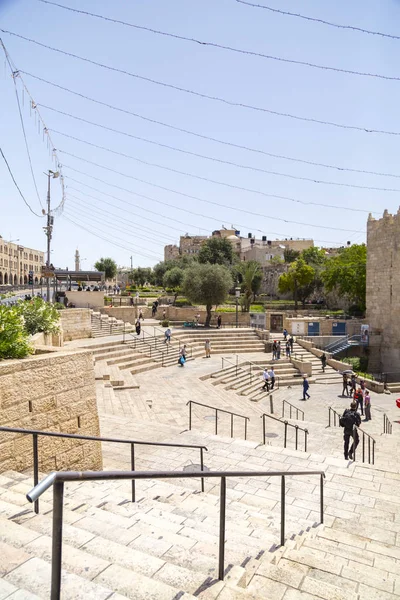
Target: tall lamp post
[49,228]
[237,294]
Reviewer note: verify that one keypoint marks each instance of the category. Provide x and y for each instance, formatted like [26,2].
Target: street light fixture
[49,228]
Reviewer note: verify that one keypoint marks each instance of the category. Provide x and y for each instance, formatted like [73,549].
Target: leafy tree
[108,265]
[296,279]
[14,339]
[162,267]
[173,279]
[250,277]
[207,284]
[290,255]
[314,256]
[39,316]
[140,275]
[216,251]
[346,273]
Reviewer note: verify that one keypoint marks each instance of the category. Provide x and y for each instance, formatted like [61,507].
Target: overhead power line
[224,101]
[213,158]
[224,47]
[17,186]
[237,187]
[225,206]
[307,18]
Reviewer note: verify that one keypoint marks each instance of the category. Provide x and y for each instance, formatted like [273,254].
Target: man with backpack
[350,420]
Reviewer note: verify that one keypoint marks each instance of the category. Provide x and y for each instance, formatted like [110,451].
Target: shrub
[164,323]
[39,316]
[14,339]
[59,306]
[182,302]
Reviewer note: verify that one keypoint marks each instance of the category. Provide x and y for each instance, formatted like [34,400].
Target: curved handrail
[286,424]
[217,410]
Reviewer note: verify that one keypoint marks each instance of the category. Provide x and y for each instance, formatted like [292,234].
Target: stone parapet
[75,323]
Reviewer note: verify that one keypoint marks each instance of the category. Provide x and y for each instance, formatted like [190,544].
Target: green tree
[14,338]
[296,279]
[250,278]
[290,255]
[173,279]
[314,256]
[216,251]
[162,267]
[140,275]
[207,284]
[108,265]
[346,273]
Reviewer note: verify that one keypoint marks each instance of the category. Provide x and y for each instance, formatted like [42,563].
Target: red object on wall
[398,402]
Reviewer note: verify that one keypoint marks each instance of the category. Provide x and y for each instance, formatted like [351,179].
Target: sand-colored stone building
[16,261]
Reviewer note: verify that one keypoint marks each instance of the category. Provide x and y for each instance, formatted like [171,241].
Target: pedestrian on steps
[367,405]
[167,335]
[274,349]
[345,385]
[182,356]
[306,386]
[291,341]
[359,399]
[350,420]
[266,379]
[138,327]
[285,334]
[272,378]
[278,350]
[323,362]
[288,349]
[207,347]
[219,322]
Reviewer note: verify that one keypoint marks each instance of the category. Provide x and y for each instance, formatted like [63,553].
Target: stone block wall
[75,323]
[383,291]
[54,392]
[94,300]
[128,314]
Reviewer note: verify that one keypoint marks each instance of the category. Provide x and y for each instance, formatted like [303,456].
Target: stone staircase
[165,546]
[103,325]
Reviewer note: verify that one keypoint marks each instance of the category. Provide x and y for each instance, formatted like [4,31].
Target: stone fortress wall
[383,292]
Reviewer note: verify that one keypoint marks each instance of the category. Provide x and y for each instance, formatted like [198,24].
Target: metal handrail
[231,363]
[298,410]
[387,425]
[286,425]
[217,410]
[36,433]
[58,479]
[371,451]
[335,414]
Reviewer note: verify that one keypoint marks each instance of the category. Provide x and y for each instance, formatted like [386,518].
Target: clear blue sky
[283,87]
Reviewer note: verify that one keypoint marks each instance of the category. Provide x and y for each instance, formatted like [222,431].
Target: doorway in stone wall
[276,323]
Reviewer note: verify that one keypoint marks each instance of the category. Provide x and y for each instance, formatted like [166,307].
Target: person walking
[167,335]
[138,327]
[367,405]
[345,385]
[323,362]
[285,333]
[306,385]
[291,341]
[274,350]
[278,350]
[164,315]
[219,322]
[141,315]
[353,383]
[266,379]
[350,420]
[288,349]
[207,347]
[182,356]
[272,378]
[359,399]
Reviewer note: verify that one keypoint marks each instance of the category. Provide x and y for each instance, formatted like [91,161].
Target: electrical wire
[306,18]
[203,44]
[114,243]
[232,186]
[245,227]
[231,103]
[225,206]
[212,158]
[17,186]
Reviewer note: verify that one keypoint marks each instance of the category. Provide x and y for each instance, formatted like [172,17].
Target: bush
[182,302]
[14,339]
[164,323]
[257,308]
[59,306]
[39,316]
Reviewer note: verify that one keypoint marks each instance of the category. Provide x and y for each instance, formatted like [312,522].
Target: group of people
[360,394]
[277,347]
[269,379]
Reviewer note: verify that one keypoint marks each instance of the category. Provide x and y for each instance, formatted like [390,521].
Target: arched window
[25,279]
[15,280]
[21,280]
[1,278]
[5,278]
[36,281]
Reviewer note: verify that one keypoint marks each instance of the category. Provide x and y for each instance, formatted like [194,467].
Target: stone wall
[175,313]
[75,323]
[383,291]
[84,299]
[54,392]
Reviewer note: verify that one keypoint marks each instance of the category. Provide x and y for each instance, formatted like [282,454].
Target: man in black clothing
[350,420]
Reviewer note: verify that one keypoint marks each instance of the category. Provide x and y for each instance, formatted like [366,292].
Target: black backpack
[347,420]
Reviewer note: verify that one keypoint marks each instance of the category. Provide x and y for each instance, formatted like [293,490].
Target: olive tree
[207,284]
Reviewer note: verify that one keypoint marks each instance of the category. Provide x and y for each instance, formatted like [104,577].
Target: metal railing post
[305,439]
[245,429]
[231,425]
[202,468]
[285,438]
[290,411]
[283,408]
[329,416]
[58,499]
[222,511]
[271,404]
[373,451]
[190,415]
[216,421]
[133,469]
[363,447]
[369,450]
[321,489]
[282,510]
[35,467]
[263,418]
[296,435]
